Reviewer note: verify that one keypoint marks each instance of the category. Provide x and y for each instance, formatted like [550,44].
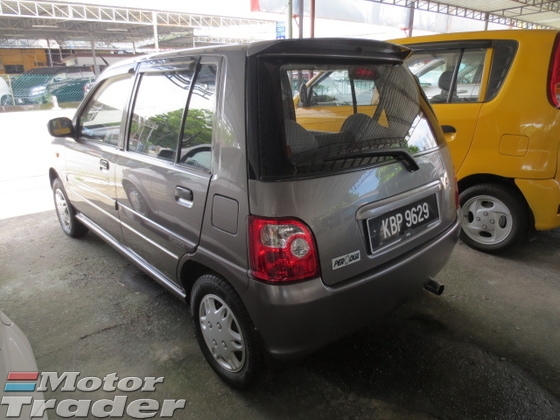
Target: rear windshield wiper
[402,155]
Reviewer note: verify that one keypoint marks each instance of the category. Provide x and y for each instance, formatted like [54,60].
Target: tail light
[281,250]
[554,75]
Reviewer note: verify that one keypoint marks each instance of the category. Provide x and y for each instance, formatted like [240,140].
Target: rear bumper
[297,319]
[546,212]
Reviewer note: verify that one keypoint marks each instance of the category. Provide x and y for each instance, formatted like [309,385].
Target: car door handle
[184,196]
[449,132]
[104,164]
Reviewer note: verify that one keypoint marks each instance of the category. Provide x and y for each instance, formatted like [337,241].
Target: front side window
[348,116]
[101,119]
[449,76]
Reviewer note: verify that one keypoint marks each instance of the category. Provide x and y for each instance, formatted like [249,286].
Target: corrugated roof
[75,23]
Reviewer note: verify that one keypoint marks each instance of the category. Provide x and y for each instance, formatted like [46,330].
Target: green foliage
[198,129]
[163,129]
[167,127]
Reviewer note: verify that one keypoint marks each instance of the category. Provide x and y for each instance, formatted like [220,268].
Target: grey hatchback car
[287,218]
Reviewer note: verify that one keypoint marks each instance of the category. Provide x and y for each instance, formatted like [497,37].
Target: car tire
[226,334]
[66,213]
[494,217]
[6,100]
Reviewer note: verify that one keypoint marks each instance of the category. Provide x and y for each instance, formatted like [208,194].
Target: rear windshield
[317,118]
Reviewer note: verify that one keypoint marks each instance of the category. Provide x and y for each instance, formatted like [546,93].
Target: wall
[28,58]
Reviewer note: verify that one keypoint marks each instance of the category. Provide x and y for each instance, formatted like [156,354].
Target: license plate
[403,222]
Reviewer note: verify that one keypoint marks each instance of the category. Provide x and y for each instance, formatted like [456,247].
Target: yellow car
[500,90]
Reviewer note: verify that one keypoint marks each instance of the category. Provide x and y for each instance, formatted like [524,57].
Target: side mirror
[304,99]
[61,127]
[449,132]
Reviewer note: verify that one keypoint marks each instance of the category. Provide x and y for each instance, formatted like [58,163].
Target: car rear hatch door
[358,158]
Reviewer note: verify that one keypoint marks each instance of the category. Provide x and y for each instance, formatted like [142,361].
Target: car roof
[332,47]
[306,46]
[54,69]
[529,34]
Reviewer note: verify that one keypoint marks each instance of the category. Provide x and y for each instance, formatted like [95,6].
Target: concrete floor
[486,349]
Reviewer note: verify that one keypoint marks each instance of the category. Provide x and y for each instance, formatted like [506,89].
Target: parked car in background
[501,92]
[16,357]
[88,86]
[36,86]
[70,91]
[5,93]
[284,226]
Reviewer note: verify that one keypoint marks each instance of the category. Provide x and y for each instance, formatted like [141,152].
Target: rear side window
[158,113]
[504,54]
[449,76]
[342,116]
[197,136]
[173,116]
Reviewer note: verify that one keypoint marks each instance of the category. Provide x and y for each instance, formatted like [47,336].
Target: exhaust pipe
[434,287]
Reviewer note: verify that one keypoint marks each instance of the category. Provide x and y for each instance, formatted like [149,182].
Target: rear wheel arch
[189,273]
[191,269]
[471,180]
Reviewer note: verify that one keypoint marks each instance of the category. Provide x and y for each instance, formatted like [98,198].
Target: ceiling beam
[465,12]
[68,23]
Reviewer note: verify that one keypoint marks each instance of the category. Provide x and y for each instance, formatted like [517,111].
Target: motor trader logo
[20,383]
